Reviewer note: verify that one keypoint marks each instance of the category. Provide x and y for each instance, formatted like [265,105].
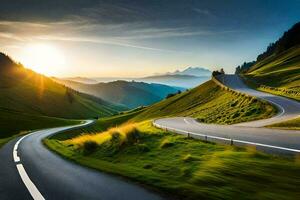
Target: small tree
[217,72]
[222,71]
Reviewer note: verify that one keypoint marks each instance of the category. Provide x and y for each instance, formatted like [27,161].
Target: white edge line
[15,150]
[36,195]
[227,139]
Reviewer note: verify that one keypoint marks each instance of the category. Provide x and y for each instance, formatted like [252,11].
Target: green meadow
[179,166]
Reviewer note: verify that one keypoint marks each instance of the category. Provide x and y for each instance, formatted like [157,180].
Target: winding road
[249,133]
[30,171]
[288,109]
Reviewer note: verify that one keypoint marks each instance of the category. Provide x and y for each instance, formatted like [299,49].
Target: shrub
[147,166]
[236,115]
[170,95]
[132,136]
[89,147]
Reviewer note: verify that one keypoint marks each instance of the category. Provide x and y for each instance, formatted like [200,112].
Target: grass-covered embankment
[210,103]
[183,167]
[293,124]
[100,125]
[277,74]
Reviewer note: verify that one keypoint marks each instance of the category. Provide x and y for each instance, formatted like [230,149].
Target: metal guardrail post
[297,151]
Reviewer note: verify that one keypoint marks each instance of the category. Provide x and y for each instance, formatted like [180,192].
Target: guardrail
[273,90]
[211,138]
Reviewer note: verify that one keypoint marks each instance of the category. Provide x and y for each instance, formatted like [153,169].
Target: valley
[119,100]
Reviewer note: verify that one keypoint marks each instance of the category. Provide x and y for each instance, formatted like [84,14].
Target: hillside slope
[278,74]
[130,94]
[277,70]
[26,95]
[211,104]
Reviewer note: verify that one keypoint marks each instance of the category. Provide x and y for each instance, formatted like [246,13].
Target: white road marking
[186,121]
[226,139]
[36,195]
[15,151]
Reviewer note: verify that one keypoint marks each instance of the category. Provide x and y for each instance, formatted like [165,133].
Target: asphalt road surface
[249,133]
[288,108]
[30,171]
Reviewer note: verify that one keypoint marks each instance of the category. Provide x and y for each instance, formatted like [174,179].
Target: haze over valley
[146,99]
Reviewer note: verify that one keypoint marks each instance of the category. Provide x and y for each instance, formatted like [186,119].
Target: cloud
[203,12]
[28,31]
[80,29]
[102,41]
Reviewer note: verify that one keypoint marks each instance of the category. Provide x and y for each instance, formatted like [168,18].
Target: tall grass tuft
[118,136]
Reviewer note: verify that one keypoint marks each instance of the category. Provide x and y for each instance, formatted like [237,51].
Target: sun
[43,58]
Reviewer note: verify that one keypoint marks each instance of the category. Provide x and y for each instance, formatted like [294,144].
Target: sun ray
[46,59]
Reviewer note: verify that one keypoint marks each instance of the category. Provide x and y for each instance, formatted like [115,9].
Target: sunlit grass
[124,133]
[290,124]
[185,167]
[209,103]
[279,75]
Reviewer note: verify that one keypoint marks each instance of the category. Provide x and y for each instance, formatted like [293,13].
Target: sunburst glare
[46,59]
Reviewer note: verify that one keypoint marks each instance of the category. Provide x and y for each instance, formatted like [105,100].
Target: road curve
[48,176]
[288,108]
[270,140]
[252,133]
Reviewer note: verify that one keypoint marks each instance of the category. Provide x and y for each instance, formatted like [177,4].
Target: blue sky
[138,38]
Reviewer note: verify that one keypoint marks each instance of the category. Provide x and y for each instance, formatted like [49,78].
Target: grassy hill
[130,94]
[128,145]
[29,100]
[181,167]
[277,70]
[211,104]
[278,74]
[188,168]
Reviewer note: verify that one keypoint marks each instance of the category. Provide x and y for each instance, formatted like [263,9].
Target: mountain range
[130,94]
[191,71]
[31,100]
[82,80]
[187,78]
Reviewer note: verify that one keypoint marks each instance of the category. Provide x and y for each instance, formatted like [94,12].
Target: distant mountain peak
[193,71]
[80,79]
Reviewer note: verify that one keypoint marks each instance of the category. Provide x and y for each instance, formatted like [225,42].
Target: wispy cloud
[101,41]
[204,12]
[10,36]
[82,30]
[25,31]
